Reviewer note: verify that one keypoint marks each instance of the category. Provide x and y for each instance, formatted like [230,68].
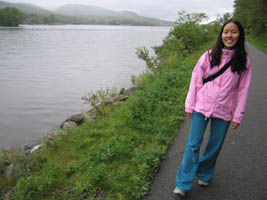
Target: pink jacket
[217,98]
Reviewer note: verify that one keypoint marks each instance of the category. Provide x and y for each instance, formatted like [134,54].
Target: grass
[258,42]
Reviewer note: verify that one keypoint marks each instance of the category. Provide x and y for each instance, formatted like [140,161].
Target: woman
[214,101]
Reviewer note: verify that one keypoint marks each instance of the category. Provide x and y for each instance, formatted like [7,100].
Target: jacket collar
[228,52]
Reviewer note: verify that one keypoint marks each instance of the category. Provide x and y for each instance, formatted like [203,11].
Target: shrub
[186,36]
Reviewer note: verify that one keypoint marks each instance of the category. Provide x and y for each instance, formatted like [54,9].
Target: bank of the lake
[115,154]
[46,70]
[109,157]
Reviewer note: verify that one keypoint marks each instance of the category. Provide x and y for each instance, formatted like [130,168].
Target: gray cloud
[163,9]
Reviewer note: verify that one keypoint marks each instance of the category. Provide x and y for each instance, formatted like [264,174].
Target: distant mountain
[83,10]
[3,4]
[87,11]
[82,14]
[128,13]
[26,8]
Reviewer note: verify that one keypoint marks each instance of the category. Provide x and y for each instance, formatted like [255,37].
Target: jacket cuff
[189,110]
[238,119]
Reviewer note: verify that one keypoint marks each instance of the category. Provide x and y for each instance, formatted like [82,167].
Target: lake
[45,70]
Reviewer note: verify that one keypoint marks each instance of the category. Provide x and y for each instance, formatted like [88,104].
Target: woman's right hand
[189,115]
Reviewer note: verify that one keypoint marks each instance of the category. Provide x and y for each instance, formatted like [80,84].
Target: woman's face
[230,35]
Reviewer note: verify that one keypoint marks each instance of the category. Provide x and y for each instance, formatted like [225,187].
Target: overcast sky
[163,9]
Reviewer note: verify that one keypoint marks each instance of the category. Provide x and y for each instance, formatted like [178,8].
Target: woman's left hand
[235,125]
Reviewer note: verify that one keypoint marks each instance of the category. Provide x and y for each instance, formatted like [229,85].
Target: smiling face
[230,35]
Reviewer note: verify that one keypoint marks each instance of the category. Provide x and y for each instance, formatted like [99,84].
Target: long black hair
[239,57]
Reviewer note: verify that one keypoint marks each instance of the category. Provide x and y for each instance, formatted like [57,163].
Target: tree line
[10,16]
[102,20]
[253,15]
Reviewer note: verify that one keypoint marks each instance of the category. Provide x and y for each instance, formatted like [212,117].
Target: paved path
[241,172]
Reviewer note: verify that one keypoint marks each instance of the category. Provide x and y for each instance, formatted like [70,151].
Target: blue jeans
[191,166]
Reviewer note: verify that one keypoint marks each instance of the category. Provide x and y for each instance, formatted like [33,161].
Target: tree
[10,16]
[223,18]
[186,35]
[252,14]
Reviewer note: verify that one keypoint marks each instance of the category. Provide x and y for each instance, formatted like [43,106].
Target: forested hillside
[252,14]
[25,8]
[77,14]
[10,16]
[84,10]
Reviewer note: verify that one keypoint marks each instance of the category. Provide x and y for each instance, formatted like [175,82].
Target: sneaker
[178,191]
[202,183]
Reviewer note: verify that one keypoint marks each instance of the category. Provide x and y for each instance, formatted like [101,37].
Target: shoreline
[117,155]
[35,145]
[26,116]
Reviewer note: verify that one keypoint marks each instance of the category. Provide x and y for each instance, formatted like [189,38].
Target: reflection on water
[45,70]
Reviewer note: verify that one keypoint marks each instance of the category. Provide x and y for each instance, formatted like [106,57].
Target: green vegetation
[253,15]
[10,17]
[96,20]
[259,42]
[36,15]
[183,41]
[25,8]
[116,155]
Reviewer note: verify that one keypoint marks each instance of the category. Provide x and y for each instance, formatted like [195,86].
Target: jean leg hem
[203,179]
[182,188]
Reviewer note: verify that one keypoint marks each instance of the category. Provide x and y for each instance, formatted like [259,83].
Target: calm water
[45,70]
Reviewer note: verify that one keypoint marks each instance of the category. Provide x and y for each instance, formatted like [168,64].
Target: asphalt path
[241,171]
